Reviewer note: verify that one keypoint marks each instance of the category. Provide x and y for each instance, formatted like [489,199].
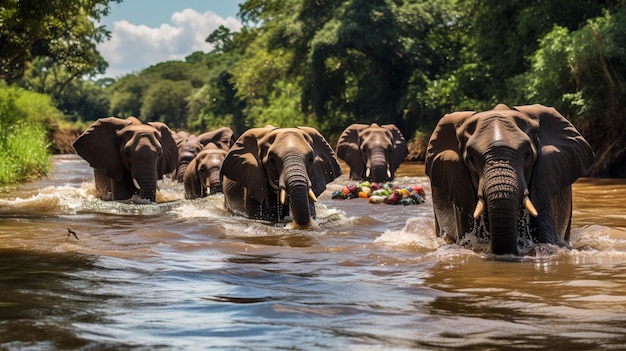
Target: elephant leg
[553,225]
[103,185]
[234,195]
[123,189]
[448,221]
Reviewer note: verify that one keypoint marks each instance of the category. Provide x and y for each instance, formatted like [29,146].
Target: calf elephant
[189,145]
[269,171]
[372,152]
[505,174]
[127,156]
[202,176]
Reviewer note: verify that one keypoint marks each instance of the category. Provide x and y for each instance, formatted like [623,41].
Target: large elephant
[189,145]
[505,174]
[202,176]
[269,171]
[128,156]
[372,152]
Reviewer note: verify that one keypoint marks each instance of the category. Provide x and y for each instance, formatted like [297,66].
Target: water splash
[418,233]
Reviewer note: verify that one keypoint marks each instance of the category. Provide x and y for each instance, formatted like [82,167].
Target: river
[187,275]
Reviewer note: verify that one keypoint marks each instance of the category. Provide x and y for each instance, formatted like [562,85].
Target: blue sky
[146,32]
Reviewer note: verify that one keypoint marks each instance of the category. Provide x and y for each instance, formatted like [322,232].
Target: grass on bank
[24,150]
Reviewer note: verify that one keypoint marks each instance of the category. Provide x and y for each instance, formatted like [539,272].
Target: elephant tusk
[136,183]
[480,207]
[388,173]
[367,172]
[312,195]
[283,196]
[530,207]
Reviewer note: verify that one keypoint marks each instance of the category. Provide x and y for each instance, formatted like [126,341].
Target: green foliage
[61,30]
[23,135]
[329,63]
[165,101]
[581,73]
[160,92]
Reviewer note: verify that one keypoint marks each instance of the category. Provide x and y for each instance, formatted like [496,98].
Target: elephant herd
[504,173]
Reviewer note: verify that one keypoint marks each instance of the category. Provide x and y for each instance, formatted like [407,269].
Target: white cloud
[135,47]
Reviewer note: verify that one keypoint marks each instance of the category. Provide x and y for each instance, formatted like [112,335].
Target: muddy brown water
[187,275]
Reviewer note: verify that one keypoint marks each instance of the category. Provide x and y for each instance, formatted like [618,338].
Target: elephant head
[501,165]
[202,176]
[128,156]
[189,146]
[269,171]
[373,152]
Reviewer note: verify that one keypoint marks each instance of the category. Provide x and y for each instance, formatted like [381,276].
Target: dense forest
[330,63]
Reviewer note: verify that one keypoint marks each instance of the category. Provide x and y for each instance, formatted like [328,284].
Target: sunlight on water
[187,274]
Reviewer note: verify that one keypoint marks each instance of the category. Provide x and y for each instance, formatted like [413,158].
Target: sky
[146,32]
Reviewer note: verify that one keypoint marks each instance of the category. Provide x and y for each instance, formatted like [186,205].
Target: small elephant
[202,176]
[128,156]
[372,152]
[189,146]
[269,171]
[506,174]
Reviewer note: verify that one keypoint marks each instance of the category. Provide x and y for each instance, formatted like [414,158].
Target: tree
[352,60]
[127,95]
[581,73]
[505,33]
[166,101]
[61,30]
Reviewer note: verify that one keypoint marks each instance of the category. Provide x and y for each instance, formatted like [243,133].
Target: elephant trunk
[180,171]
[213,182]
[377,167]
[501,191]
[296,181]
[184,158]
[147,184]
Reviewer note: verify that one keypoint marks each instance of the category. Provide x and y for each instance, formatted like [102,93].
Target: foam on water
[418,233]
[50,199]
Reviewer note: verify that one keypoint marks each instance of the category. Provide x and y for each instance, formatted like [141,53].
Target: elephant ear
[444,162]
[325,165]
[243,163]
[222,138]
[169,157]
[348,148]
[98,145]
[563,154]
[180,136]
[400,149]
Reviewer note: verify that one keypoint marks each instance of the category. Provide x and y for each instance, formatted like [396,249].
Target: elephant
[270,171]
[189,145]
[372,152]
[505,175]
[203,173]
[128,156]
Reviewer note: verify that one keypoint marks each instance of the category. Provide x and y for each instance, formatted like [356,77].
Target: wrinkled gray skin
[372,152]
[189,146]
[202,176]
[495,160]
[128,156]
[264,162]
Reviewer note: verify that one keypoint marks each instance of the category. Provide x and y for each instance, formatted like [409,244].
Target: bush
[23,134]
